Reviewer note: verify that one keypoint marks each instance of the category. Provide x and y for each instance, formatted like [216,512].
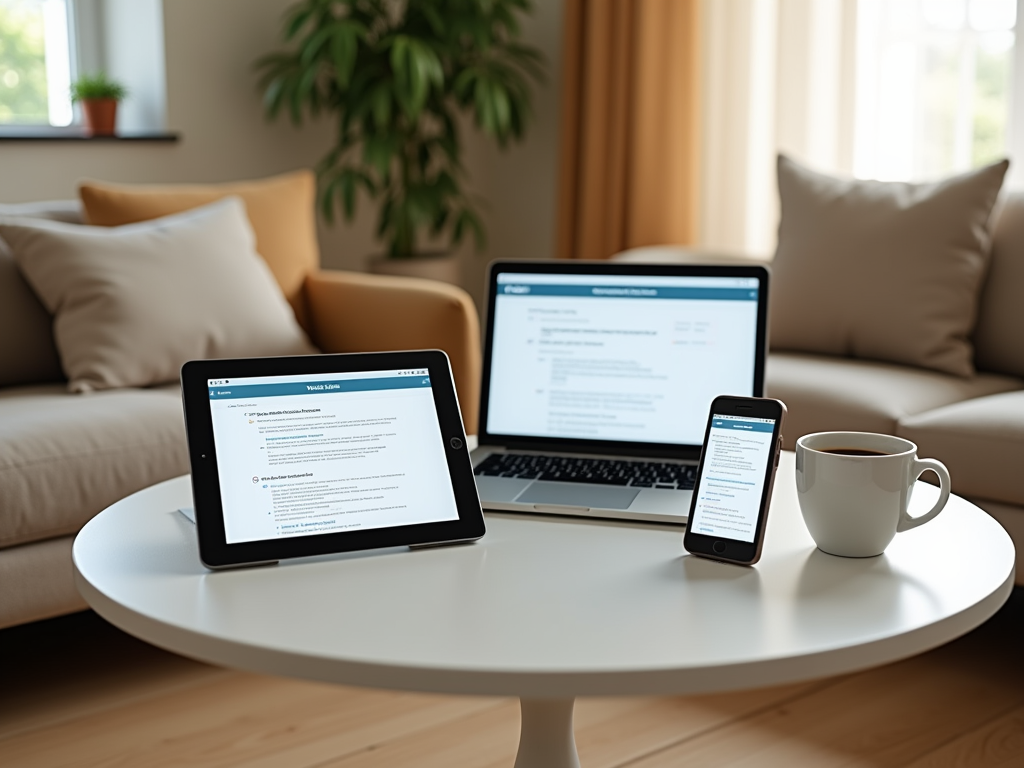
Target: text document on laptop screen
[323,453]
[611,357]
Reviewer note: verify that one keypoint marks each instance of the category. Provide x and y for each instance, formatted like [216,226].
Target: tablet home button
[719,547]
[456,443]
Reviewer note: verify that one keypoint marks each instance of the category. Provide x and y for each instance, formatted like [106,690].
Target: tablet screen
[323,453]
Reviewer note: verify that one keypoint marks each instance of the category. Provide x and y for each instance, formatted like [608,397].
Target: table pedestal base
[545,736]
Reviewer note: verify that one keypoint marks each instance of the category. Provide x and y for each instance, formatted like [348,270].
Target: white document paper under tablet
[288,445]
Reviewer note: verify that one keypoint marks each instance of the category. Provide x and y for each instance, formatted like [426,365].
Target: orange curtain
[630,164]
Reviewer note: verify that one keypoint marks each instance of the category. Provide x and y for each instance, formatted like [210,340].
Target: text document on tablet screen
[614,357]
[323,453]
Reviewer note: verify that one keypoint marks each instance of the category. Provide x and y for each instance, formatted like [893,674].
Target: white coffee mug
[854,505]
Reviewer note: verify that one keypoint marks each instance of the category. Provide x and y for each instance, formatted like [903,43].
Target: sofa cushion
[65,457]
[832,393]
[282,211]
[981,441]
[27,352]
[997,339]
[132,304]
[882,270]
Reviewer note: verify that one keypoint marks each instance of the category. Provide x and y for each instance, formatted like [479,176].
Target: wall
[213,103]
[520,184]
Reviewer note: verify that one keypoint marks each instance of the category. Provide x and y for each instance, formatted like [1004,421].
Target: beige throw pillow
[131,304]
[882,270]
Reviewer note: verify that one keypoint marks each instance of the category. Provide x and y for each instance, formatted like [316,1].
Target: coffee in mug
[854,489]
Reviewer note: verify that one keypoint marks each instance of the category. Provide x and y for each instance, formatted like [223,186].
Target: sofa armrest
[356,312]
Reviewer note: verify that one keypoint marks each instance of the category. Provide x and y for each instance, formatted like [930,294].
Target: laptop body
[598,377]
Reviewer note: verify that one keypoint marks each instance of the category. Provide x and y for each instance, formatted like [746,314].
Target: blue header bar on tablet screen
[292,388]
[629,292]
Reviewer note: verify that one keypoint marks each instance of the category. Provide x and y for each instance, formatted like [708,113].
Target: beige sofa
[64,457]
[974,425]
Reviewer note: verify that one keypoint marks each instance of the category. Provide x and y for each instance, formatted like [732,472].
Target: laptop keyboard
[638,474]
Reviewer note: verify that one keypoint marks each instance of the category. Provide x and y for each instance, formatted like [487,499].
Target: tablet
[300,456]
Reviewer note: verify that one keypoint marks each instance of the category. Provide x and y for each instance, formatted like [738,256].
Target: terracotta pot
[100,116]
[432,266]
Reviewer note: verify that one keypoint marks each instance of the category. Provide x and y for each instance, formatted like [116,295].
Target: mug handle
[919,468]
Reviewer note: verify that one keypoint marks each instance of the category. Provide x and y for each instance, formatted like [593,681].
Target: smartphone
[730,502]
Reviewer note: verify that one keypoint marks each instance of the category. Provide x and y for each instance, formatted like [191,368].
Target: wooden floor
[76,692]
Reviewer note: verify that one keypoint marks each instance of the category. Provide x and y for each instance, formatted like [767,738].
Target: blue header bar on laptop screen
[317,387]
[629,292]
[653,281]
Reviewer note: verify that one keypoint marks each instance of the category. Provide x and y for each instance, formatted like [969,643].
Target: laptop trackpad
[577,495]
[498,489]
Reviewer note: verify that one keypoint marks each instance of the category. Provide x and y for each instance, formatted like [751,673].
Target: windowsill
[30,134]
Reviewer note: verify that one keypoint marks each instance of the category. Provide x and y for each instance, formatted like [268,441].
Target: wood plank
[997,744]
[888,716]
[609,731]
[238,720]
[77,665]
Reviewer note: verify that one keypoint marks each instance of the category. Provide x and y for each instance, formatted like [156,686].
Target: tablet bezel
[214,550]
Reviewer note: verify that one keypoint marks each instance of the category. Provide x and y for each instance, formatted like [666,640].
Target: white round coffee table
[548,609]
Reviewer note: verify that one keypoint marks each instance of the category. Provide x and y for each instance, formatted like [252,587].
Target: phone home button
[719,547]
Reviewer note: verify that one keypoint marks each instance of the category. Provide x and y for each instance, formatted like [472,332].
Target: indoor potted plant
[396,76]
[99,96]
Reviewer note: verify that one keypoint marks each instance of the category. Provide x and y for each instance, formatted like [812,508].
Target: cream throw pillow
[882,270]
[133,303]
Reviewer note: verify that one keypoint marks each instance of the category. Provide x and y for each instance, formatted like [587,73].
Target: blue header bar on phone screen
[743,425]
[317,387]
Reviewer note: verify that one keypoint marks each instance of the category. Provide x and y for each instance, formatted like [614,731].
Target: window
[933,86]
[35,63]
[44,44]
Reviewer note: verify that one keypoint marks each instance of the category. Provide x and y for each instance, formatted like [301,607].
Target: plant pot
[100,116]
[432,266]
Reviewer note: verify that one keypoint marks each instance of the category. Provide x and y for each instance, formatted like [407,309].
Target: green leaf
[327,202]
[297,21]
[273,97]
[348,193]
[379,151]
[304,92]
[381,101]
[463,85]
[499,98]
[344,49]
[311,48]
[434,19]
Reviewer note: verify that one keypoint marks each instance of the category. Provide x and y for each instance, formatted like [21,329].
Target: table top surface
[546,607]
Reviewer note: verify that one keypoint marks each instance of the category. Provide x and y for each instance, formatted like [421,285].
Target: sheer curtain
[779,76]
[904,90]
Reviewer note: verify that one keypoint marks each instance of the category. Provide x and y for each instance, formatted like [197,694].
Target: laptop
[598,378]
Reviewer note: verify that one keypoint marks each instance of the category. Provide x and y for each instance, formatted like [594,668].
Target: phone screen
[736,458]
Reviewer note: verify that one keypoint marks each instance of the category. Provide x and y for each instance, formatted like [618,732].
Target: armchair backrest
[281,209]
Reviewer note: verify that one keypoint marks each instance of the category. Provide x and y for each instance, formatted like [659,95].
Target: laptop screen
[633,358]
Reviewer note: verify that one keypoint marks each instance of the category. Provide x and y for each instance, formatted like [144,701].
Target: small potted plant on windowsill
[99,96]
